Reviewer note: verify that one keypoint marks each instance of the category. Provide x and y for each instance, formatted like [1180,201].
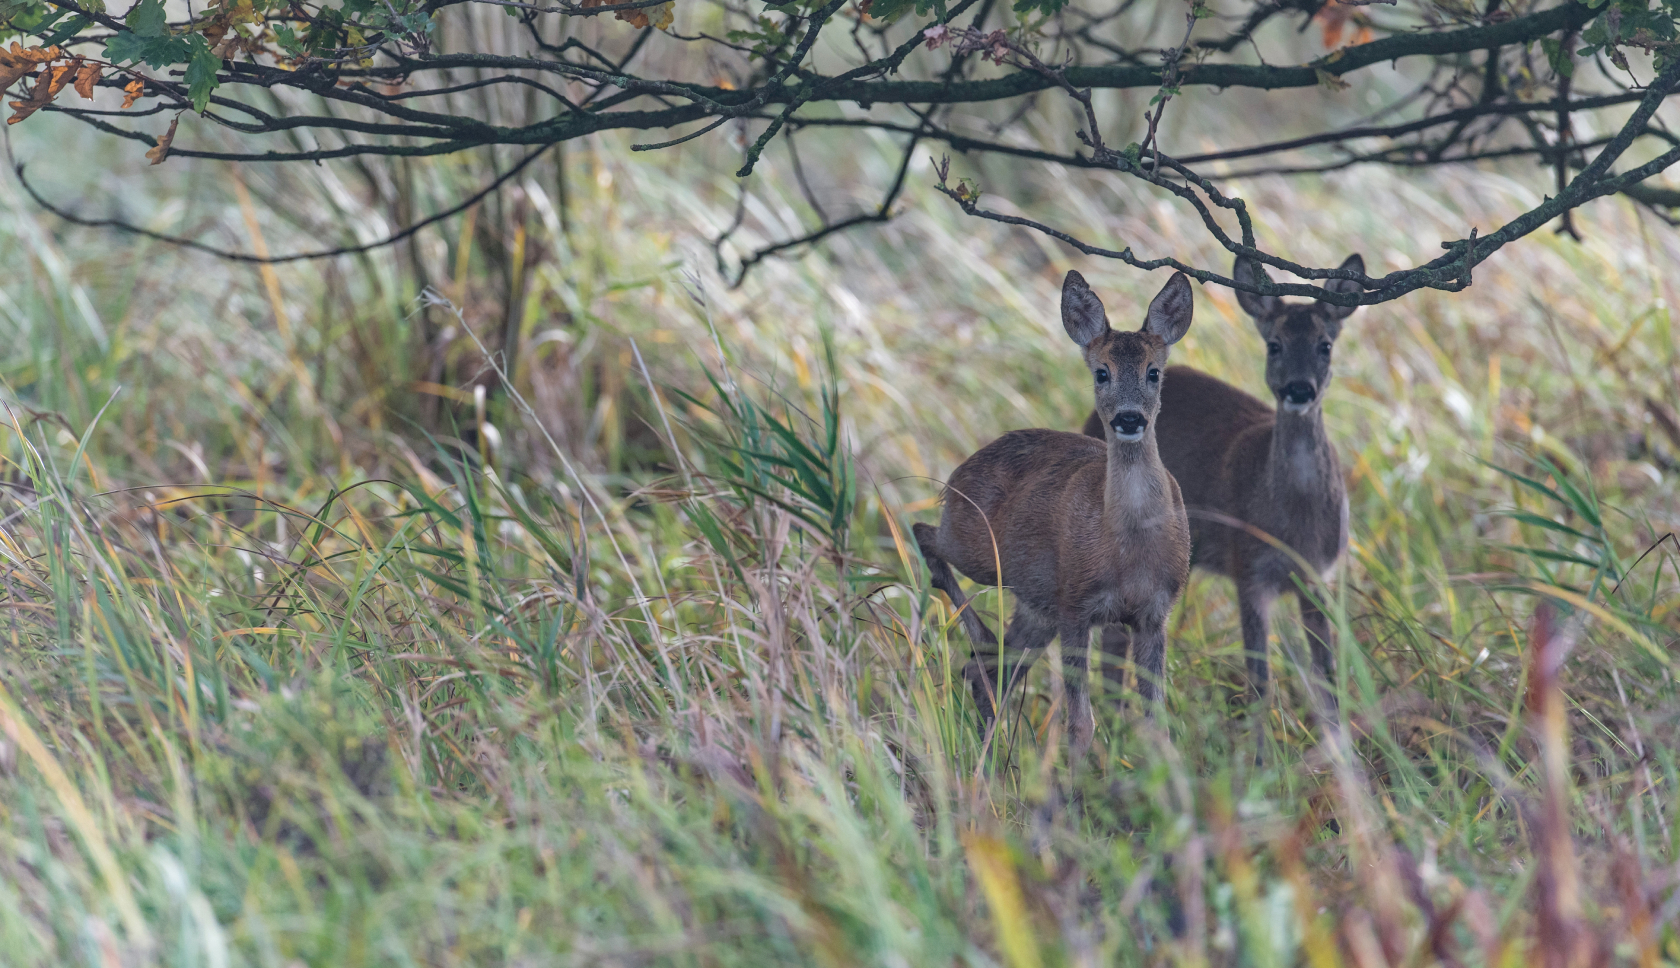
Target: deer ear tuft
[1356,264]
[1169,313]
[1082,312]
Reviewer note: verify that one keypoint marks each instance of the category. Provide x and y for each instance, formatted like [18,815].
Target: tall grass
[567,614]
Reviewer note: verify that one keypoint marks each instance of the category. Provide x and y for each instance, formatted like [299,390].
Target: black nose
[1300,392]
[1129,422]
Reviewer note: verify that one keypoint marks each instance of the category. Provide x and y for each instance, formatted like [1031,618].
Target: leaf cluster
[1644,24]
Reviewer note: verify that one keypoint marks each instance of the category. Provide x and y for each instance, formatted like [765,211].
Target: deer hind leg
[944,579]
[992,676]
[1026,636]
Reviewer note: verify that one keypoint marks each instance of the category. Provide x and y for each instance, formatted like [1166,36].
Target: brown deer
[1085,533]
[1246,468]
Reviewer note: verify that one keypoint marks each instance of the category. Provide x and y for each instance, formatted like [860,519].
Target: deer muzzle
[1128,425]
[1298,394]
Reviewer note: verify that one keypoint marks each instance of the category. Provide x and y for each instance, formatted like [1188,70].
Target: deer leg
[1256,605]
[981,670]
[942,578]
[1151,661]
[992,676]
[1076,641]
[1116,649]
[1318,637]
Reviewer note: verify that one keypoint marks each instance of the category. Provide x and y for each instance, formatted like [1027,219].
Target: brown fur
[1241,462]
[1086,533]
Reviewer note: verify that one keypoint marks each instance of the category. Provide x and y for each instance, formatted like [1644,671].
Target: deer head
[1125,366]
[1299,338]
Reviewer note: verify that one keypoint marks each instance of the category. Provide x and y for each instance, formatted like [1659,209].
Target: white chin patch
[1128,438]
[1290,406]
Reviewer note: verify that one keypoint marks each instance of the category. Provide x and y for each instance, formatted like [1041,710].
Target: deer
[1250,472]
[1083,533]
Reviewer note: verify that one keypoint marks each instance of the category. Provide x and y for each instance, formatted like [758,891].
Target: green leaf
[1528,482]
[49,20]
[1550,555]
[124,46]
[1586,508]
[148,19]
[889,10]
[1557,57]
[201,73]
[288,39]
[155,52]
[1547,523]
[707,522]
[70,29]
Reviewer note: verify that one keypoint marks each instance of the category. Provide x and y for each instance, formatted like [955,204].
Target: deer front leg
[1116,651]
[1151,660]
[1318,637]
[1255,604]
[1076,641]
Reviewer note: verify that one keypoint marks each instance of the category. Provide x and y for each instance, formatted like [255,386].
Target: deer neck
[1301,456]
[1135,487]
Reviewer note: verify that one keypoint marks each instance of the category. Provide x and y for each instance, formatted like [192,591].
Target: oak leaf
[158,154]
[86,78]
[659,16]
[48,83]
[131,92]
[1333,18]
[19,61]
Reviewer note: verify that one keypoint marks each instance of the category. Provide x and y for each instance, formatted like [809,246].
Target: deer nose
[1300,392]
[1129,423]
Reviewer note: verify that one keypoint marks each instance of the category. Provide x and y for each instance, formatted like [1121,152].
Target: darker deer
[1250,471]
[1085,533]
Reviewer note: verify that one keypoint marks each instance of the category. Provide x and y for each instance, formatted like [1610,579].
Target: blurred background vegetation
[522,594]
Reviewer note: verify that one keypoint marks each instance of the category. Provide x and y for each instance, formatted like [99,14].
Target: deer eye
[1273,347]
[1154,375]
[1102,374]
[1324,349]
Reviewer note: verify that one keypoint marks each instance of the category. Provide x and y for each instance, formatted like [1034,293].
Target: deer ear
[1082,312]
[1256,305]
[1169,313]
[1355,263]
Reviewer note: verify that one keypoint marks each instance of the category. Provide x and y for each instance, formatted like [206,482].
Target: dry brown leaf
[131,92]
[158,154]
[1332,18]
[659,16]
[65,74]
[19,61]
[86,78]
[48,83]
